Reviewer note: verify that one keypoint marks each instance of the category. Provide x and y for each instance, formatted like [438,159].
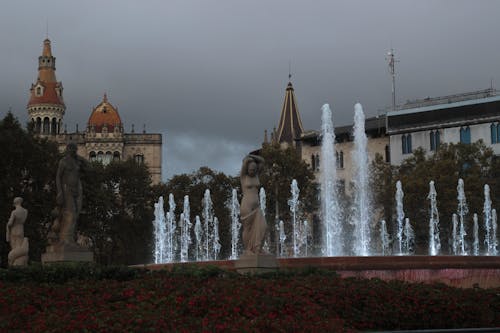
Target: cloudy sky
[211,75]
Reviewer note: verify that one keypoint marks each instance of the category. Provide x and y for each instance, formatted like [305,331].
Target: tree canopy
[474,163]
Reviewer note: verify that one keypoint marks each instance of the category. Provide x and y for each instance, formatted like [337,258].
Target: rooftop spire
[290,126]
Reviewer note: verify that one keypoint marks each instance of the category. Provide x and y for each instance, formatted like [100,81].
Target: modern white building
[427,123]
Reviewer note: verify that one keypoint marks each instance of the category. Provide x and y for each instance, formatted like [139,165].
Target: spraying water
[409,237]
[400,215]
[170,230]
[185,230]
[198,234]
[159,231]
[462,211]
[263,208]
[294,206]
[208,219]
[384,238]
[487,218]
[216,243]
[494,240]
[332,227]
[235,225]
[454,234]
[304,237]
[282,238]
[434,241]
[475,244]
[362,205]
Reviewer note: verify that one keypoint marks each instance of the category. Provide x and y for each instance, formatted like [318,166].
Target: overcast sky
[211,75]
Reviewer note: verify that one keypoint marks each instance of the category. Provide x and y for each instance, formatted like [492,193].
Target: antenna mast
[392,71]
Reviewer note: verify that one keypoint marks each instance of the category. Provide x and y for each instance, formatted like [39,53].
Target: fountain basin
[456,271]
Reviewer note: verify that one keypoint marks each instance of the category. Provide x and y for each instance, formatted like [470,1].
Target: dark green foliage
[474,163]
[28,166]
[117,212]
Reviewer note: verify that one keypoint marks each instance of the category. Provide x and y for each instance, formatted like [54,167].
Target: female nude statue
[252,219]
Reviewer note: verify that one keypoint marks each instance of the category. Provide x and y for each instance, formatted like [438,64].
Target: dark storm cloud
[211,75]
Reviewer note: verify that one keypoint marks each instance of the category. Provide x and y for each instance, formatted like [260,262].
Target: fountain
[293,203]
[475,244]
[408,237]
[159,230]
[198,234]
[170,230]
[462,211]
[487,218]
[235,225]
[434,241]
[185,230]
[400,215]
[216,243]
[362,206]
[384,238]
[262,203]
[454,234]
[282,236]
[331,214]
[493,251]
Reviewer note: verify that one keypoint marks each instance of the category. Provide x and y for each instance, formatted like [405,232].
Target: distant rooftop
[430,101]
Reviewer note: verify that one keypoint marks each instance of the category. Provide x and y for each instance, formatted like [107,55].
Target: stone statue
[252,219]
[69,196]
[18,256]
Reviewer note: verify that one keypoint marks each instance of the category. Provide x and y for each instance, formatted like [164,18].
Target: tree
[117,212]
[28,167]
[474,163]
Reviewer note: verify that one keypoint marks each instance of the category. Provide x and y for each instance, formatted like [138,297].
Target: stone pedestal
[67,253]
[256,263]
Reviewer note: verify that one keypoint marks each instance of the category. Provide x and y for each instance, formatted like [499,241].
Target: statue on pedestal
[252,219]
[61,237]
[18,256]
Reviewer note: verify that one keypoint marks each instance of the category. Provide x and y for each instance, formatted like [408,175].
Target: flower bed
[213,300]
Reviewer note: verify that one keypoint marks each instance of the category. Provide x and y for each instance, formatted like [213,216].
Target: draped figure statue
[18,256]
[252,219]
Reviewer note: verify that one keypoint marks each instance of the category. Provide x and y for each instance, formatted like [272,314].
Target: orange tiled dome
[104,114]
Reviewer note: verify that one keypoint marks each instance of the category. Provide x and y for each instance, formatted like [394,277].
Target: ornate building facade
[104,138]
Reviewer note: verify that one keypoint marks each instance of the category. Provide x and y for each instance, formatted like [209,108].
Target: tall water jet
[487,218]
[282,238]
[159,231]
[235,225]
[170,230]
[304,238]
[208,220]
[462,211]
[454,234]
[384,238]
[185,230]
[475,232]
[331,214]
[216,243]
[263,208]
[409,237]
[494,240]
[293,203]
[362,205]
[198,234]
[400,215]
[434,241]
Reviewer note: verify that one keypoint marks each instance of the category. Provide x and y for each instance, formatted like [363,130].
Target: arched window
[38,125]
[108,158]
[116,156]
[46,125]
[317,162]
[39,91]
[92,156]
[139,158]
[53,127]
[465,135]
[100,156]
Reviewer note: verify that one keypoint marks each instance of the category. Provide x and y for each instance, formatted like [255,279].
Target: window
[39,91]
[313,162]
[494,133]
[317,162]
[465,135]
[139,158]
[116,156]
[387,153]
[406,144]
[435,140]
[340,159]
[92,156]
